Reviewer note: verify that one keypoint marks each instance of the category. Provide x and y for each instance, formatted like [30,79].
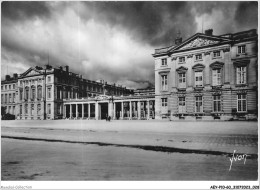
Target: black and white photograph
[116,93]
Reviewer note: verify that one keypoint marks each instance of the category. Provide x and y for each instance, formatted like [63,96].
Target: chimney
[61,68]
[178,39]
[15,75]
[67,68]
[209,32]
[7,77]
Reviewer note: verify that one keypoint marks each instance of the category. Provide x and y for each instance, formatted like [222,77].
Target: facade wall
[223,92]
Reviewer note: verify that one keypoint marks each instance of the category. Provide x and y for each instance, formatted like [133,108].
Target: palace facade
[207,77]
[39,93]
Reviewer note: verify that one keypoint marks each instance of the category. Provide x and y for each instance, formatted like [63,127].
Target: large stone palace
[205,77]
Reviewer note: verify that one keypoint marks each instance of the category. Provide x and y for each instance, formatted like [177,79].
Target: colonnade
[119,109]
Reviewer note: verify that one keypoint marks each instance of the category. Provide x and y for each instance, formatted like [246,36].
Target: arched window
[39,92]
[26,93]
[33,93]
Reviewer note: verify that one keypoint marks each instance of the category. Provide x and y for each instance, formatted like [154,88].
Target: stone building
[207,77]
[8,93]
[42,91]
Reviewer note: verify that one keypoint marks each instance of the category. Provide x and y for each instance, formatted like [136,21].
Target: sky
[113,41]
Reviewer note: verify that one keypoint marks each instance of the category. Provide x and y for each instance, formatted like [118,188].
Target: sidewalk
[227,136]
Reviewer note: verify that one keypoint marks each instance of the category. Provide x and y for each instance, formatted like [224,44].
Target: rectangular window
[21,94]
[198,78]
[2,98]
[39,89]
[216,103]
[198,57]
[241,49]
[14,110]
[164,82]
[6,100]
[13,97]
[49,93]
[10,98]
[241,75]
[198,104]
[32,109]
[216,77]
[2,88]
[49,79]
[33,93]
[13,86]
[39,109]
[10,86]
[182,107]
[21,109]
[164,102]
[49,108]
[181,59]
[216,54]
[164,62]
[6,87]
[26,93]
[241,103]
[182,80]
[26,108]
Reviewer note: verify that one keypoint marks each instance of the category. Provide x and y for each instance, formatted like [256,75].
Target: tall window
[13,97]
[39,93]
[164,82]
[216,103]
[182,107]
[241,49]
[241,75]
[164,102]
[241,103]
[49,92]
[26,108]
[38,109]
[49,79]
[198,104]
[2,98]
[216,77]
[21,109]
[21,94]
[198,78]
[182,80]
[164,62]
[10,98]
[32,109]
[13,86]
[49,108]
[33,93]
[198,57]
[6,99]
[26,93]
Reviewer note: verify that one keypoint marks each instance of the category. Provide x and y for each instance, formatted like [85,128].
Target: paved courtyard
[128,150]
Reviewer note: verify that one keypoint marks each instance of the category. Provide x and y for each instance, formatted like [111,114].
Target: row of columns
[111,109]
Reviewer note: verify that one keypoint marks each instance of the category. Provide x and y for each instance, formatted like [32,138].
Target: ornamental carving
[242,92]
[190,56]
[181,69]
[174,58]
[207,53]
[199,42]
[216,64]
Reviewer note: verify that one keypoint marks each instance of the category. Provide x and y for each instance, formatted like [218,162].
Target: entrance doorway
[103,110]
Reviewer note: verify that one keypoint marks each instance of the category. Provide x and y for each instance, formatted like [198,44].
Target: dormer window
[198,57]
[216,54]
[181,59]
[164,62]
[241,49]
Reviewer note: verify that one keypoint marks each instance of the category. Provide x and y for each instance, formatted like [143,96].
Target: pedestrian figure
[109,118]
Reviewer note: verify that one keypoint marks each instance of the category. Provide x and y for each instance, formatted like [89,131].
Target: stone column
[89,110]
[96,111]
[139,109]
[70,111]
[82,111]
[114,111]
[122,110]
[130,109]
[148,109]
[77,114]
